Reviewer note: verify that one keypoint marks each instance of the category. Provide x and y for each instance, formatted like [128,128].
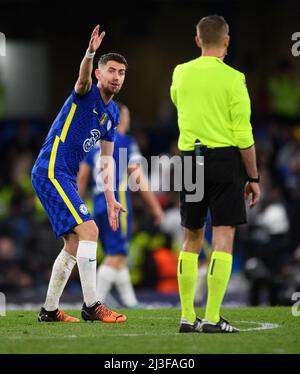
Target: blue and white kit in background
[126,153]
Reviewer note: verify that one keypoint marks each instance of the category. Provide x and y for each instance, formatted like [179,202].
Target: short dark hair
[211,29]
[103,60]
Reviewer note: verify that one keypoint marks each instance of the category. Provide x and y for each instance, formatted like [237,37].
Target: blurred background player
[114,269]
[88,115]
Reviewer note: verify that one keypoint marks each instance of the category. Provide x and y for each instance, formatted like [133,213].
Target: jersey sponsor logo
[83,209]
[89,143]
[103,119]
[109,125]
[95,111]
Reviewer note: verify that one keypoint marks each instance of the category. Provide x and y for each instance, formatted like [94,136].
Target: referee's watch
[253,180]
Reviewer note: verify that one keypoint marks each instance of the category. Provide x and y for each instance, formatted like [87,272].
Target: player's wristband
[253,180]
[89,54]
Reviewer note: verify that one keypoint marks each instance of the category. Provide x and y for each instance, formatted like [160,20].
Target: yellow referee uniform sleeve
[240,112]
[173,92]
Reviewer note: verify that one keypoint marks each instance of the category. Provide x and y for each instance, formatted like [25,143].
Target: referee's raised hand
[252,190]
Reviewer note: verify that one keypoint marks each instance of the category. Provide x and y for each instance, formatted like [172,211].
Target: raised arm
[84,81]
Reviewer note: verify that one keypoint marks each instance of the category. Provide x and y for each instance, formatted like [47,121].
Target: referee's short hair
[211,30]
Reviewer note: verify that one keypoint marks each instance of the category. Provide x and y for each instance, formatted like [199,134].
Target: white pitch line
[263,325]
[169,318]
[88,336]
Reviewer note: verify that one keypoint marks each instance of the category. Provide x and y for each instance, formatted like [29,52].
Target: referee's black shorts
[224,182]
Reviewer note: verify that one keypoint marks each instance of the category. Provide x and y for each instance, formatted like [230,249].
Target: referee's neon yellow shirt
[212,104]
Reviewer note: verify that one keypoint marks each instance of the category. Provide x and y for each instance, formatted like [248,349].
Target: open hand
[113,209]
[96,39]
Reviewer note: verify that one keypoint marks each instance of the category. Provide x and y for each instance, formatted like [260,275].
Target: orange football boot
[55,316]
[100,312]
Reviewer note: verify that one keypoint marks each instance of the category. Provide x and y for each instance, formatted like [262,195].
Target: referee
[213,107]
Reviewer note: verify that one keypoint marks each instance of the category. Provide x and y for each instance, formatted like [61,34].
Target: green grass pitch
[265,330]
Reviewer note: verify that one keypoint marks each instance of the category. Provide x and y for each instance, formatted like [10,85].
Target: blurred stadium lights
[25,78]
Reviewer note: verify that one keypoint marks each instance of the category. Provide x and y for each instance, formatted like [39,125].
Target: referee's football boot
[55,316]
[186,326]
[100,312]
[222,326]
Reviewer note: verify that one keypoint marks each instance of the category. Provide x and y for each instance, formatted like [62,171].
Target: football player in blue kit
[89,115]
[113,270]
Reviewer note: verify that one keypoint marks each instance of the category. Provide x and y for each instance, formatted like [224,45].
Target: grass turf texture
[150,331]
